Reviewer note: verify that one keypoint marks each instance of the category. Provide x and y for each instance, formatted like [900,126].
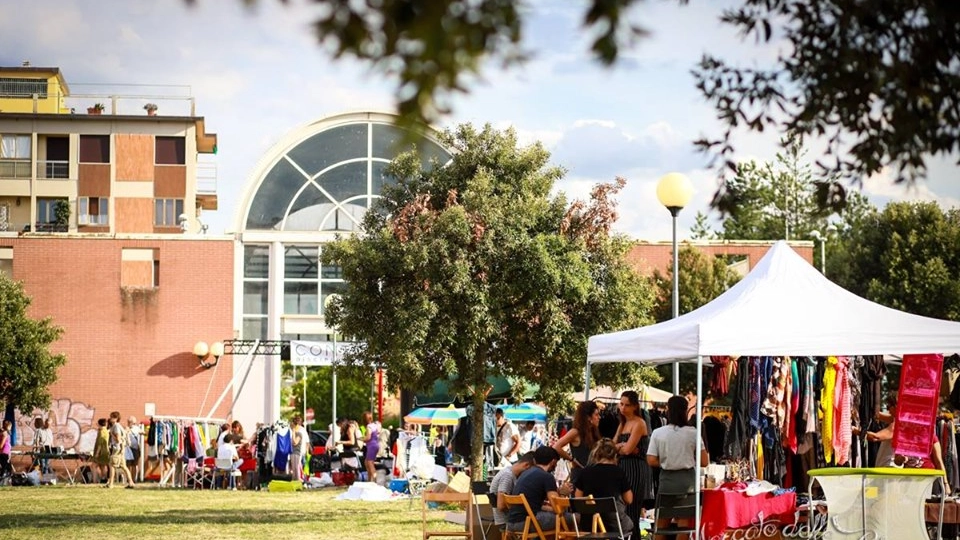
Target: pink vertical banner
[917,404]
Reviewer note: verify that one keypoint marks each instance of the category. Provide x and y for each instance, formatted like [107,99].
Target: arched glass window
[323,178]
[327,181]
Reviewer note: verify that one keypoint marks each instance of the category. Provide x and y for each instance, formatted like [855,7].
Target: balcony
[207,185]
[15,168]
[53,170]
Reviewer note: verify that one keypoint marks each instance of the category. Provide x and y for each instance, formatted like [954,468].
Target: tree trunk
[476,438]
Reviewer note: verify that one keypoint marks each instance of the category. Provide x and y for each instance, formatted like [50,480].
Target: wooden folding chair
[561,507]
[464,500]
[531,527]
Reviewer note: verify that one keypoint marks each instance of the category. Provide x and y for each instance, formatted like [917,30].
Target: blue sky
[257,74]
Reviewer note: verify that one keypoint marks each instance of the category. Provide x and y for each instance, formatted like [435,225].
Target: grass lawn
[93,513]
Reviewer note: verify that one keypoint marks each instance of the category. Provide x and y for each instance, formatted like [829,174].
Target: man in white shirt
[228,450]
[529,438]
[508,439]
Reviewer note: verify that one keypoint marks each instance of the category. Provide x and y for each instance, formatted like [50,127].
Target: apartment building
[101,201]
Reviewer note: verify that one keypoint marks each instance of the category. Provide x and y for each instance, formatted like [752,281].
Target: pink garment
[788,435]
[842,438]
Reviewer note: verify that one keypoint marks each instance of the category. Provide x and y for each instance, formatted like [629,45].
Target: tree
[775,200]
[354,389]
[701,280]
[27,367]
[879,80]
[475,269]
[904,257]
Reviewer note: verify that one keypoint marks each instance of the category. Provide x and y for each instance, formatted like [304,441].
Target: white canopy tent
[783,307]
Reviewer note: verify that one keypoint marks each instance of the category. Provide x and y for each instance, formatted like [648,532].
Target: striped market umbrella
[442,416]
[525,412]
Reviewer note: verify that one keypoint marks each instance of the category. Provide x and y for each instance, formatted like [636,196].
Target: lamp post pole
[674,192]
[331,298]
[676,293]
[334,369]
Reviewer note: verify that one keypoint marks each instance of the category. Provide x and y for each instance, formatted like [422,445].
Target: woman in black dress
[581,437]
[632,439]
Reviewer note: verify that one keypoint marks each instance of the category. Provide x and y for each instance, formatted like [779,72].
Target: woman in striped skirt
[632,439]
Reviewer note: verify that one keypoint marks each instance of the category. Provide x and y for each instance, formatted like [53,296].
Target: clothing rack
[171,474]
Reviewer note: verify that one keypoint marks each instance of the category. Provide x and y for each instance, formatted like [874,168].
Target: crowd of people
[621,467]
[359,441]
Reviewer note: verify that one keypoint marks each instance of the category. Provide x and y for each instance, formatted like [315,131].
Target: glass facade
[322,183]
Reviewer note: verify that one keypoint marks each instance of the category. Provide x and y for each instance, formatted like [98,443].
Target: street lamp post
[822,238]
[326,304]
[674,192]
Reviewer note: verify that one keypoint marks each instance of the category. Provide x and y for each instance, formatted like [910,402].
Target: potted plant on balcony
[61,216]
[151,109]
[96,109]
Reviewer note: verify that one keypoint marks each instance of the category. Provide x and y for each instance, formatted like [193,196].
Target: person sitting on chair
[604,478]
[228,450]
[538,486]
[503,483]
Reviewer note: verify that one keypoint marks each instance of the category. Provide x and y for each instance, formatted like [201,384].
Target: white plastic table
[882,502]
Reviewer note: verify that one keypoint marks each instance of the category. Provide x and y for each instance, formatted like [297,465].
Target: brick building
[645,257]
[100,219]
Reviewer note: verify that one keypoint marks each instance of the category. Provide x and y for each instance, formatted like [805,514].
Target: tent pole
[699,488]
[586,383]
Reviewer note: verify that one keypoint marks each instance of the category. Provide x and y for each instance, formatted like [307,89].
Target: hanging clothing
[719,381]
[841,406]
[827,396]
[738,433]
[283,449]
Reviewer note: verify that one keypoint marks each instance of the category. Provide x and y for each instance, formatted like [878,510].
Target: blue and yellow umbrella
[440,416]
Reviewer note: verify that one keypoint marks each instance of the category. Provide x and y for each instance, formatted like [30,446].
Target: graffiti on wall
[72,423]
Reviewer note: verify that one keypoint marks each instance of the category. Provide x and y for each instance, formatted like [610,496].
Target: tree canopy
[27,367]
[775,201]
[878,81]
[904,257]
[475,269]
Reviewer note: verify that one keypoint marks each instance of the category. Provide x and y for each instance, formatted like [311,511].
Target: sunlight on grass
[91,513]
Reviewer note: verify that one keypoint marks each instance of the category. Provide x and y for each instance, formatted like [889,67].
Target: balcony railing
[206,178]
[15,168]
[53,170]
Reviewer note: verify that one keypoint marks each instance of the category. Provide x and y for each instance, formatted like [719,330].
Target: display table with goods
[761,514]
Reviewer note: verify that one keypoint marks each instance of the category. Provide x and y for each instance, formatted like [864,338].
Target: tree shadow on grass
[191,516]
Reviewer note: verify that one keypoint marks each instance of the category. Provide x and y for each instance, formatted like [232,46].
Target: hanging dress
[284,448]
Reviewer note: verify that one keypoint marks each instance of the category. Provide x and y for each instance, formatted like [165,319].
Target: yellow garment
[758,438]
[826,406]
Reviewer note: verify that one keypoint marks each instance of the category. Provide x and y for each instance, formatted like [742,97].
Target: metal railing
[53,169]
[15,168]
[206,178]
[112,99]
